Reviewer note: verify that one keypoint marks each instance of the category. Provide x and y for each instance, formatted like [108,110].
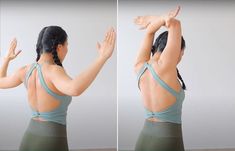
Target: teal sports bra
[58,114]
[173,112]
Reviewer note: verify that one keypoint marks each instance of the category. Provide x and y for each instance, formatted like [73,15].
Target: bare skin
[55,76]
[155,97]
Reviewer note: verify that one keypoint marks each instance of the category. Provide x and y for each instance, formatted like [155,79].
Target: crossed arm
[152,24]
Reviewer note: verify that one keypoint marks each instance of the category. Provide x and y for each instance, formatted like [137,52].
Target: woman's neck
[46,57]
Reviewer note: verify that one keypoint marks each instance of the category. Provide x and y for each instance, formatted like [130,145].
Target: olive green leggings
[44,136]
[160,136]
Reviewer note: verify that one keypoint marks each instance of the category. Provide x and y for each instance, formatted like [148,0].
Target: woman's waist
[56,119]
[42,127]
[57,115]
[161,128]
[164,118]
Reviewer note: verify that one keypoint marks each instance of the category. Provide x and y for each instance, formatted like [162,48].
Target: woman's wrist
[163,21]
[102,59]
[154,26]
[171,22]
[5,59]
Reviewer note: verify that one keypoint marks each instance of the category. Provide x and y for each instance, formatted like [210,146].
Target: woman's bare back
[155,97]
[38,98]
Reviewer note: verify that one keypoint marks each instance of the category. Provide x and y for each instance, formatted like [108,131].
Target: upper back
[160,88]
[42,94]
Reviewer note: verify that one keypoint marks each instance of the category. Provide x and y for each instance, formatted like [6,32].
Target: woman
[161,90]
[49,88]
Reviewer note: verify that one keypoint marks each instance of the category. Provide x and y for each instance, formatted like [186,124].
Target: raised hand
[106,47]
[152,23]
[143,21]
[170,15]
[11,51]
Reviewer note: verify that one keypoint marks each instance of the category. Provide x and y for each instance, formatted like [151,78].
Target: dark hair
[160,44]
[48,40]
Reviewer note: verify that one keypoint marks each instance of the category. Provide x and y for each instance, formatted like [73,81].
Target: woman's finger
[13,44]
[177,11]
[174,12]
[109,34]
[144,26]
[114,37]
[13,41]
[106,35]
[18,52]
[138,20]
[135,20]
[98,46]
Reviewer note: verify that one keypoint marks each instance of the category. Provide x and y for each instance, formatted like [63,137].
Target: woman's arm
[3,69]
[152,25]
[17,77]
[170,55]
[81,82]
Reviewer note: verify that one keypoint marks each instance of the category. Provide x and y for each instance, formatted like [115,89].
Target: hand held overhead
[153,23]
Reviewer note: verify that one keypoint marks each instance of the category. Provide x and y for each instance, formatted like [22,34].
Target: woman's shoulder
[52,68]
[26,67]
[152,62]
[56,69]
[157,66]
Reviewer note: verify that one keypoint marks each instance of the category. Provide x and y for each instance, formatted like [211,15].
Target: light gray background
[207,68]
[91,121]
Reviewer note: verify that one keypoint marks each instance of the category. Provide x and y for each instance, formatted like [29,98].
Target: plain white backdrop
[91,121]
[207,68]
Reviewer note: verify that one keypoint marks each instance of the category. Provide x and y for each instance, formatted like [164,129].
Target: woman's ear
[59,47]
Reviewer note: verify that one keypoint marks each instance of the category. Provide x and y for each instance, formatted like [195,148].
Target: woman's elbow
[172,22]
[76,91]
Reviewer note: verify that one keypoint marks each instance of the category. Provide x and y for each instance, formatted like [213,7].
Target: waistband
[162,129]
[46,128]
